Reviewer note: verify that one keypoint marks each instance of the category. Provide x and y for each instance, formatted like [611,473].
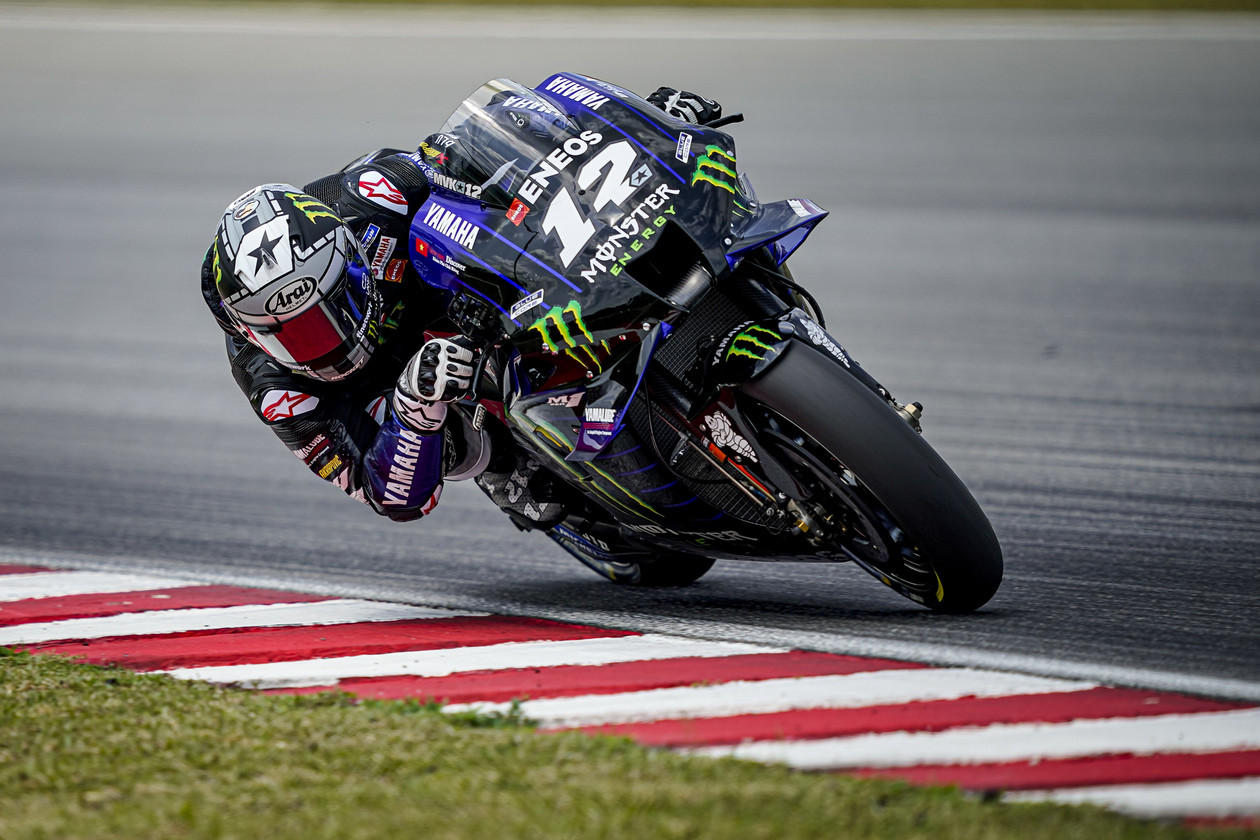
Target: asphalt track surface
[1047,229]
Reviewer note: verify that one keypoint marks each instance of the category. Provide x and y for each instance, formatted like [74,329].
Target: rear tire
[893,504]
[673,570]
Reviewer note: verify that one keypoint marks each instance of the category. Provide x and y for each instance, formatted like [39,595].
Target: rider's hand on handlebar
[440,373]
[685,105]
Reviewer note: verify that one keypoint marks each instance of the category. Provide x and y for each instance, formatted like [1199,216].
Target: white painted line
[217,618]
[1203,732]
[1215,798]
[60,584]
[440,663]
[870,688]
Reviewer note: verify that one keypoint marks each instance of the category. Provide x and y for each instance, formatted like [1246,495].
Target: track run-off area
[1145,753]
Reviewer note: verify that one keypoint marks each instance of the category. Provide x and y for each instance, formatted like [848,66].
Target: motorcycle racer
[346,353]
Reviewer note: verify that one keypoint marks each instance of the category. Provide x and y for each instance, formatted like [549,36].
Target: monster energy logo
[750,345]
[312,208]
[562,329]
[713,168]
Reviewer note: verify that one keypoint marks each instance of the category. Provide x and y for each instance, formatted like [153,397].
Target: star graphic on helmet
[266,252]
[380,188]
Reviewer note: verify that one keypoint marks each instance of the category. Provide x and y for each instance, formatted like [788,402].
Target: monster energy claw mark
[311,207]
[750,343]
[555,317]
[566,323]
[717,167]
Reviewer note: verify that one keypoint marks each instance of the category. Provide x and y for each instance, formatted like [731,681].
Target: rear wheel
[877,492]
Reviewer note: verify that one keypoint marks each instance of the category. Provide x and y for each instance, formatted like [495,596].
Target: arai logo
[291,296]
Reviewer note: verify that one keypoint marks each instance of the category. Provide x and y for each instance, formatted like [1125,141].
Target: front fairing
[574,181]
[583,220]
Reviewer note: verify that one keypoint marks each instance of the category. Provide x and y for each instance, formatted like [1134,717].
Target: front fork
[747,352]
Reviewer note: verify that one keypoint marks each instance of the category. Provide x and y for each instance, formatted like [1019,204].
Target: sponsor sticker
[246,209]
[290,297]
[798,208]
[683,150]
[600,415]
[526,303]
[281,405]
[383,252]
[531,105]
[598,425]
[556,162]
[570,89]
[516,213]
[725,436]
[378,189]
[451,225]
[819,337]
[394,271]
[331,467]
[369,235]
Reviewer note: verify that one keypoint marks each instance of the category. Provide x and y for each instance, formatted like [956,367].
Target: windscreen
[501,130]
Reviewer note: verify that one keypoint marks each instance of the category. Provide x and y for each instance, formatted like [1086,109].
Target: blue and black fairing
[598,219]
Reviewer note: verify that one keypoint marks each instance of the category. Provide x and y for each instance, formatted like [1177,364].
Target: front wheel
[876,491]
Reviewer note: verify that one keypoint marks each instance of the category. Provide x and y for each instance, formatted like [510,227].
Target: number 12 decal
[610,168]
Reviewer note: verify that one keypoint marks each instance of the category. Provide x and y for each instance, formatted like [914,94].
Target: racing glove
[439,374]
[686,106]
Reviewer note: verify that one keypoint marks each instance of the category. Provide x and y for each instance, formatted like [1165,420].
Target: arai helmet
[294,281]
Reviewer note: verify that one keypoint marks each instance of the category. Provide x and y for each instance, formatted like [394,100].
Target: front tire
[890,502]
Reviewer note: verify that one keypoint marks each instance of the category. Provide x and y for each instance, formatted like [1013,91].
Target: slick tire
[935,520]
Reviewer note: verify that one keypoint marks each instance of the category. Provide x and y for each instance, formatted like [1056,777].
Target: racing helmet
[294,281]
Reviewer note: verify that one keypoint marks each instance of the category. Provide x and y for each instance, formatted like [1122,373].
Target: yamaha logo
[291,296]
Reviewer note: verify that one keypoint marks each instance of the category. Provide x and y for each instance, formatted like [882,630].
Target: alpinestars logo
[376,188]
[281,405]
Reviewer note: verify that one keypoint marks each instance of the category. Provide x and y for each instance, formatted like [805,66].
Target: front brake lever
[727,120]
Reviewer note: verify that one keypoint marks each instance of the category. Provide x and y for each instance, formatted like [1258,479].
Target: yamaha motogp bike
[647,344]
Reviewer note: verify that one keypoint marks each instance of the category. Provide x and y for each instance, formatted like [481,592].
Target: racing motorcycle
[648,345]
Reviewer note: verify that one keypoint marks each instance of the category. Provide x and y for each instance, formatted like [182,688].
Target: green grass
[101,753]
